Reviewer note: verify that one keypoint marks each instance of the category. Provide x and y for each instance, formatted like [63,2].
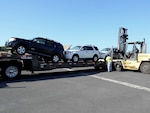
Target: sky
[75,22]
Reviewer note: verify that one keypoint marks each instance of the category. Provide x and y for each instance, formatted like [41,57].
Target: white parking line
[122,83]
[68,69]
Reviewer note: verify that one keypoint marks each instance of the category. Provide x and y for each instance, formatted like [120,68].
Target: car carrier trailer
[11,65]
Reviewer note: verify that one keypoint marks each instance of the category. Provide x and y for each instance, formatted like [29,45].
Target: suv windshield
[76,48]
[106,49]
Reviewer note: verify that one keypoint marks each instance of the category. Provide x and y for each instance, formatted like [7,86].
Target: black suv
[40,46]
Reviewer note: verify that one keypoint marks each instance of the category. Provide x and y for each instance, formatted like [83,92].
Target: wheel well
[95,55]
[14,62]
[75,55]
[25,45]
[55,53]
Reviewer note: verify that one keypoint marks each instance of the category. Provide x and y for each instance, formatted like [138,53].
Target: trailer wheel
[11,71]
[145,67]
[118,66]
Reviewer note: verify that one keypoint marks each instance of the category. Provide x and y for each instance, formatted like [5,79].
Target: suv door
[86,52]
[39,45]
[90,52]
[52,46]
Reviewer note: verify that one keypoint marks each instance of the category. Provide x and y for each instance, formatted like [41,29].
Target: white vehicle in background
[86,52]
[108,51]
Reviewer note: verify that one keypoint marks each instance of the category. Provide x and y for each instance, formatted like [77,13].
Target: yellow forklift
[134,59]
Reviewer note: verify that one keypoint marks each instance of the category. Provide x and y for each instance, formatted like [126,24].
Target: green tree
[3,48]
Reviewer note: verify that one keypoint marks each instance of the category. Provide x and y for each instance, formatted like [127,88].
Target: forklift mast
[122,41]
[123,44]
[143,47]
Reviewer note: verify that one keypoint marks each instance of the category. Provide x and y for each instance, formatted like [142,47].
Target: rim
[11,72]
[75,58]
[146,68]
[55,58]
[118,67]
[95,58]
[21,50]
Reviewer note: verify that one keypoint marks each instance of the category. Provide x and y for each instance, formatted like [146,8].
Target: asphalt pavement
[77,90]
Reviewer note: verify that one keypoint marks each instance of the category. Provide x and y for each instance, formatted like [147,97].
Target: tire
[55,58]
[20,49]
[145,68]
[11,71]
[75,58]
[118,66]
[95,58]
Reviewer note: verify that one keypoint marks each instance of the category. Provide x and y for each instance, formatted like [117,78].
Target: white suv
[82,52]
[108,51]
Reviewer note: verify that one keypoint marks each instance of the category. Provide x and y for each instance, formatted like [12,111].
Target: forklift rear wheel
[145,67]
[118,66]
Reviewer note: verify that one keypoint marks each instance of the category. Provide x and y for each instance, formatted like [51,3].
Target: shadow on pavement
[49,76]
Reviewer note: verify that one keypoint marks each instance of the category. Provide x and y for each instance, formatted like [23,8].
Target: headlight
[11,39]
[68,52]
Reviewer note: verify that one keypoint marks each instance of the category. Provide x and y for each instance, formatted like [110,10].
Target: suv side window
[39,41]
[51,43]
[84,48]
[89,48]
[95,48]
